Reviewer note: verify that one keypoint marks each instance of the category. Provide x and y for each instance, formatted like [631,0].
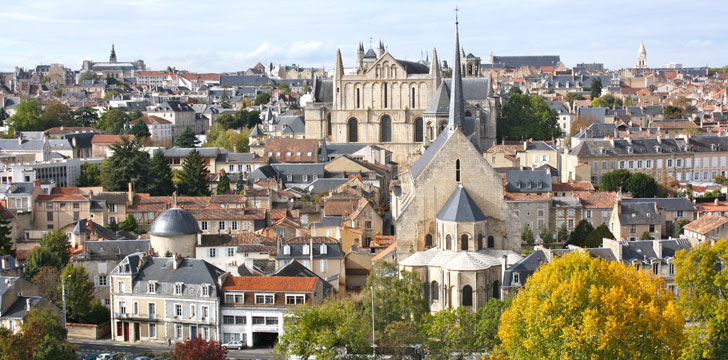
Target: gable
[344,163]
[386,60]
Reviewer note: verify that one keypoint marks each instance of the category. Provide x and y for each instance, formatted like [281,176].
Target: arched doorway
[467,296]
[428,241]
[385,124]
[496,290]
[419,130]
[353,130]
[491,242]
[464,242]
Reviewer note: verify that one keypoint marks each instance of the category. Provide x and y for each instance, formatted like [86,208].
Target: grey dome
[174,221]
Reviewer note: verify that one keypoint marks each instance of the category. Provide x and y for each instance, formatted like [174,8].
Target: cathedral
[454,228]
[396,104]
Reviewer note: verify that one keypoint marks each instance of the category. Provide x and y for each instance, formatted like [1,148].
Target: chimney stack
[129,195]
[27,304]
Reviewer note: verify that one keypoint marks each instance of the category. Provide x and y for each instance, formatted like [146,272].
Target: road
[100,346]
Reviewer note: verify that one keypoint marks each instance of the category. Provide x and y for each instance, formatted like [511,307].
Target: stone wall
[88,331]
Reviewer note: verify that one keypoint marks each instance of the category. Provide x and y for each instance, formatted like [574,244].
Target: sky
[220,36]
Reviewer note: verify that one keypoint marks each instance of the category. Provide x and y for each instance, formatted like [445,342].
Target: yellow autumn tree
[579,307]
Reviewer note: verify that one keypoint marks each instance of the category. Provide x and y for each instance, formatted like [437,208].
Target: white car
[234,344]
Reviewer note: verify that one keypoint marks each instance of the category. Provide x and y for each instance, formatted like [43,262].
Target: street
[100,346]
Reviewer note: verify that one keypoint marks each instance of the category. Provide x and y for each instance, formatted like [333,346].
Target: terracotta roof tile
[109,139]
[308,149]
[706,224]
[270,283]
[577,186]
[597,200]
[228,214]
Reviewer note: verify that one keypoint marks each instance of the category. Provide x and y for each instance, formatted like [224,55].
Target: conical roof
[456,118]
[642,49]
[460,207]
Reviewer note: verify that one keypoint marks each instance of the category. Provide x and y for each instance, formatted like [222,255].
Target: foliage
[262,98]
[525,117]
[200,349]
[571,97]
[398,337]
[223,184]
[87,75]
[681,108]
[113,121]
[140,129]
[721,180]
[240,185]
[702,279]
[161,182]
[90,175]
[581,232]
[129,224]
[79,292]
[563,233]
[233,140]
[615,180]
[284,88]
[48,280]
[41,337]
[546,236]
[58,114]
[241,118]
[86,116]
[135,114]
[596,87]
[678,229]
[39,258]
[187,139]
[514,90]
[29,117]
[397,295]
[320,330]
[580,307]
[667,186]
[582,122]
[527,235]
[193,178]
[645,236]
[128,164]
[6,240]
[608,101]
[641,185]
[595,238]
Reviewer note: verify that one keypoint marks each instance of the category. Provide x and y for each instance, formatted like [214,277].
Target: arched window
[386,128]
[480,241]
[457,170]
[413,98]
[385,95]
[448,242]
[426,290]
[358,99]
[430,132]
[464,242]
[434,291]
[467,296]
[328,124]
[419,130]
[470,69]
[353,135]
[496,290]
[468,114]
[428,240]
[491,242]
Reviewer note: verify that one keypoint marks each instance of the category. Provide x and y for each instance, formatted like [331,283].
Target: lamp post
[63,296]
[374,346]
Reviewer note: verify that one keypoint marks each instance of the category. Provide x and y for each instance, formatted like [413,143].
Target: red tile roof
[270,283]
[279,148]
[109,139]
[577,186]
[597,200]
[706,224]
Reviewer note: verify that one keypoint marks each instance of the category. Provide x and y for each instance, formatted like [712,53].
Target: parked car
[234,344]
[107,356]
[91,356]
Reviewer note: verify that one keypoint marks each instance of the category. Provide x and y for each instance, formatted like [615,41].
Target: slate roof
[421,164]
[333,249]
[321,186]
[460,207]
[245,80]
[21,145]
[558,106]
[520,181]
[412,67]
[324,91]
[525,268]
[453,260]
[19,308]
[519,61]
[115,247]
[669,204]
[59,144]
[593,147]
[174,221]
[638,213]
[189,271]
[474,89]
[370,54]
[204,151]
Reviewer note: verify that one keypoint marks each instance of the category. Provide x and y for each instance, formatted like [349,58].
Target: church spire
[456,118]
[112,58]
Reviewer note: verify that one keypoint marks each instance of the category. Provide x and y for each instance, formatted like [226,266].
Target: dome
[174,222]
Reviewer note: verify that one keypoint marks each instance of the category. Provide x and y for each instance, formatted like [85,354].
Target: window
[419,130]
[672,269]
[559,212]
[192,311]
[211,252]
[178,331]
[428,240]
[230,252]
[178,310]
[101,280]
[352,127]
[324,265]
[152,330]
[491,242]
[571,212]
[305,249]
[633,229]
[206,290]
[135,308]
[589,214]
[286,250]
[203,225]
[206,333]
[122,287]
[669,163]
[49,216]
[323,249]
[18,203]
[621,164]
[152,310]
[122,307]
[435,291]
[368,225]
[263,298]
[234,225]
[457,170]
[680,213]
[516,278]
[571,223]
[652,228]
[178,289]
[448,242]
[258,320]
[656,268]
[386,129]
[152,287]
[205,312]
[295,299]
[112,208]
[221,225]
[228,320]
[464,242]
[413,98]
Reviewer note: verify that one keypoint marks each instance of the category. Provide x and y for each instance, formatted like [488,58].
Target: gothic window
[496,290]
[457,170]
[328,124]
[413,98]
[480,241]
[428,240]
[491,242]
[430,131]
[467,299]
[464,242]
[448,242]
[434,291]
[353,136]
[386,128]
[470,69]
[358,99]
[385,95]
[419,131]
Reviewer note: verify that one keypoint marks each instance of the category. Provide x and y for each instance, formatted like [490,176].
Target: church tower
[456,118]
[642,57]
[112,57]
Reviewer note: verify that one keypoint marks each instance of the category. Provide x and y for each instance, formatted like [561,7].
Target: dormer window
[286,250]
[205,290]
[658,149]
[518,184]
[305,250]
[178,288]
[630,150]
[516,279]
[152,287]
[323,249]
[529,184]
[713,147]
[540,184]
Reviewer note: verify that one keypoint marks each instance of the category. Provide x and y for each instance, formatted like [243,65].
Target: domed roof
[174,221]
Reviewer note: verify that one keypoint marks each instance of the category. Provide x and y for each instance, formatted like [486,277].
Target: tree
[233,140]
[48,280]
[90,175]
[580,233]
[113,121]
[58,114]
[524,116]
[80,302]
[320,330]
[186,139]
[582,122]
[140,129]
[284,88]
[641,185]
[129,224]
[86,116]
[128,164]
[680,108]
[514,90]
[52,349]
[398,337]
[579,307]
[527,235]
[29,117]
[161,182]
[223,184]
[563,233]
[87,75]
[397,295]
[240,185]
[571,97]
[615,180]
[6,240]
[135,114]
[596,87]
[200,349]
[679,228]
[645,236]
[595,238]
[41,337]
[262,98]
[193,178]
[546,236]
[667,186]
[39,258]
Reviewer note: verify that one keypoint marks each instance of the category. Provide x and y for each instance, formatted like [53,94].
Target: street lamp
[63,296]
[374,346]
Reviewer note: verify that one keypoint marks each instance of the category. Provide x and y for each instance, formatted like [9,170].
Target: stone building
[113,68]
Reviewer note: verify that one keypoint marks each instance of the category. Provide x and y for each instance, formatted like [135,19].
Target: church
[114,68]
[396,104]
[454,228]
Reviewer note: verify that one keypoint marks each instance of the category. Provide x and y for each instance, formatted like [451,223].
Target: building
[175,232]
[707,229]
[632,220]
[157,299]
[113,68]
[17,297]
[641,57]
[320,254]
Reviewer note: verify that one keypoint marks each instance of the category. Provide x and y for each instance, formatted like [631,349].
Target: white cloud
[305,48]
[698,44]
[266,49]
[27,17]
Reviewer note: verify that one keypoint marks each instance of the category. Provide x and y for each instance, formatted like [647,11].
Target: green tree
[87,75]
[233,140]
[135,114]
[703,282]
[128,164]
[525,117]
[679,227]
[140,129]
[546,236]
[397,295]
[284,88]
[641,185]
[39,258]
[41,337]
[90,175]
[58,114]
[28,117]
[86,116]
[319,331]
[193,178]
[571,97]
[596,87]
[595,238]
[514,90]
[113,121]
[527,235]
[80,303]
[645,236]
[223,184]
[52,349]
[161,182]
[615,180]
[58,92]
[262,98]
[240,185]
[580,233]
[579,307]
[129,224]
[563,233]
[187,139]
[6,240]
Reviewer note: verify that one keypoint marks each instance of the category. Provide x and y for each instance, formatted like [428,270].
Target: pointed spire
[456,118]
[339,68]
[112,57]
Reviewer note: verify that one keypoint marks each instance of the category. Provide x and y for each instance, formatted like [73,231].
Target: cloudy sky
[214,35]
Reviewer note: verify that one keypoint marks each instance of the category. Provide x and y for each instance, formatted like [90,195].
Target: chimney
[36,182]
[176,260]
[715,201]
[310,252]
[73,142]
[89,224]
[27,304]
[199,239]
[129,195]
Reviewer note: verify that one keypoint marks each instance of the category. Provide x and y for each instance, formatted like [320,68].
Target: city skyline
[220,36]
